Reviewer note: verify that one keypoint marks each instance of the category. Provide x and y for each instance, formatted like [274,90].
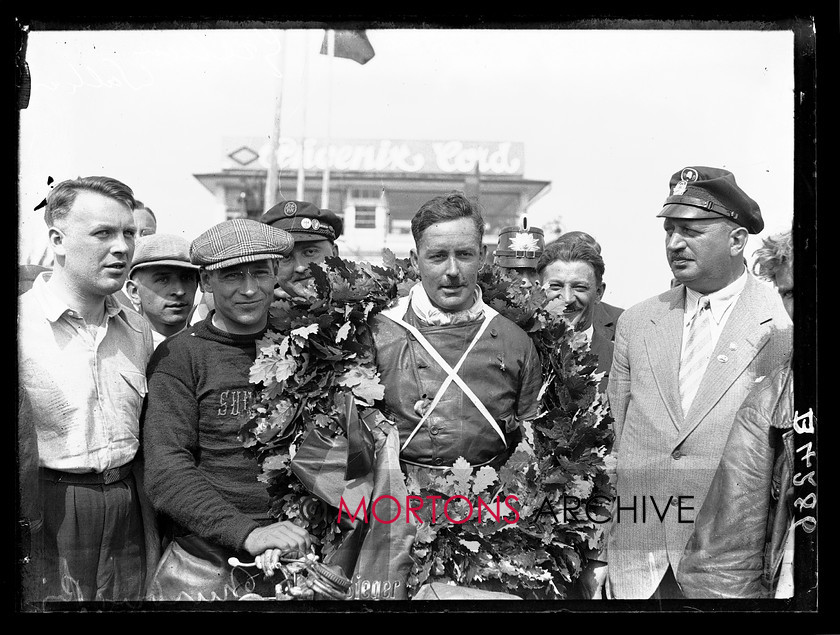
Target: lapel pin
[758,379]
[733,346]
[723,359]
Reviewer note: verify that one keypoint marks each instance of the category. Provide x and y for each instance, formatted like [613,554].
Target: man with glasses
[200,479]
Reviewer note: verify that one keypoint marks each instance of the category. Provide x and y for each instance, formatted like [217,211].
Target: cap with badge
[305,221]
[239,240]
[702,192]
[519,247]
[161,250]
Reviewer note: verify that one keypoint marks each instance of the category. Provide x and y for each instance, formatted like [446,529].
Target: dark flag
[351,45]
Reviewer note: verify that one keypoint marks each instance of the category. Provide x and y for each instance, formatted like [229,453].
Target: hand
[302,290]
[296,292]
[282,537]
[267,561]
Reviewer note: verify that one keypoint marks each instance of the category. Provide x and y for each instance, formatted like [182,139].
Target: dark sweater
[197,471]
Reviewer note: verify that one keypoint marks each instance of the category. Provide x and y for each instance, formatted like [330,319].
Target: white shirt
[721,303]
[86,383]
[158,338]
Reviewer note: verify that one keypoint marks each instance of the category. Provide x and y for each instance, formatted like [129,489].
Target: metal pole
[325,185]
[301,173]
[273,171]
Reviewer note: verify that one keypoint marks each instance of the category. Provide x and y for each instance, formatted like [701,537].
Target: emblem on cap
[686,176]
[305,223]
[290,208]
[524,241]
[316,224]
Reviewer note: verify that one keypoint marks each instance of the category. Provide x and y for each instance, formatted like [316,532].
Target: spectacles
[237,276]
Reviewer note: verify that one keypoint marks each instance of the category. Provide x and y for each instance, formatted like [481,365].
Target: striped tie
[695,357]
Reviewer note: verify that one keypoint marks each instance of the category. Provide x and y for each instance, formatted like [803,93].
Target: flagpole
[301,176]
[325,185]
[273,171]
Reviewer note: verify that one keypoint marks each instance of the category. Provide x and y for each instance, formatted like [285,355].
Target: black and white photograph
[323,316]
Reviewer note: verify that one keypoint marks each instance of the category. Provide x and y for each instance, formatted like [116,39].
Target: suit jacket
[662,454]
[604,319]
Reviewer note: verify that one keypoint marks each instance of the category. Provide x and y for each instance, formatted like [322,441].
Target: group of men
[131,423]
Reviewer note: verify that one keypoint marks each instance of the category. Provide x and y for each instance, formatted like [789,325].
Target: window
[365,192]
[365,216]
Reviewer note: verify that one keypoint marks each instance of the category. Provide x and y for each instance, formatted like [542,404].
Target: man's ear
[132,292]
[483,253]
[204,281]
[413,259]
[335,250]
[738,241]
[56,240]
[600,290]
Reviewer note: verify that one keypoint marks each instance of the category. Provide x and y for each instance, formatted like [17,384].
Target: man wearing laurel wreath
[199,394]
[459,378]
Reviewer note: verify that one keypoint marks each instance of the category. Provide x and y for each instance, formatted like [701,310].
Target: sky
[606,114]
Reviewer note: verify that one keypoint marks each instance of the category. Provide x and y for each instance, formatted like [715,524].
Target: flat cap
[701,192]
[161,249]
[304,221]
[518,247]
[239,240]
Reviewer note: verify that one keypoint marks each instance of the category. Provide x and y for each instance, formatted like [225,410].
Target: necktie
[696,353]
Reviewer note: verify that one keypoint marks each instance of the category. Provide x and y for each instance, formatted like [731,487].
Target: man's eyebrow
[100,226]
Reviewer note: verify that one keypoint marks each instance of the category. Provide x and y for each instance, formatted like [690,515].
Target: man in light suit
[671,426]
[571,268]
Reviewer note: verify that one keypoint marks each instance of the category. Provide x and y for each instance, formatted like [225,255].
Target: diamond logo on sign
[244,155]
[290,208]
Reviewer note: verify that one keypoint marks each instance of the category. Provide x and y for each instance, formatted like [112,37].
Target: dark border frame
[813,56]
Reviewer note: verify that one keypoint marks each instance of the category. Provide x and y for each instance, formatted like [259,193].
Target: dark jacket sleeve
[174,483]
[725,556]
[527,402]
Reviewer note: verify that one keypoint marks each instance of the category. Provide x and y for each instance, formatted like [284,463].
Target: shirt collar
[430,314]
[590,332]
[54,308]
[719,301]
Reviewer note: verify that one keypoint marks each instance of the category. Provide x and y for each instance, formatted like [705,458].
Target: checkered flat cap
[239,240]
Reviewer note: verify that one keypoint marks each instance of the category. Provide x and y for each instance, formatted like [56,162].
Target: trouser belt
[109,476]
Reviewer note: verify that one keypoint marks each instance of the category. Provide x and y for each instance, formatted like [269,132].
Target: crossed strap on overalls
[396,314]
